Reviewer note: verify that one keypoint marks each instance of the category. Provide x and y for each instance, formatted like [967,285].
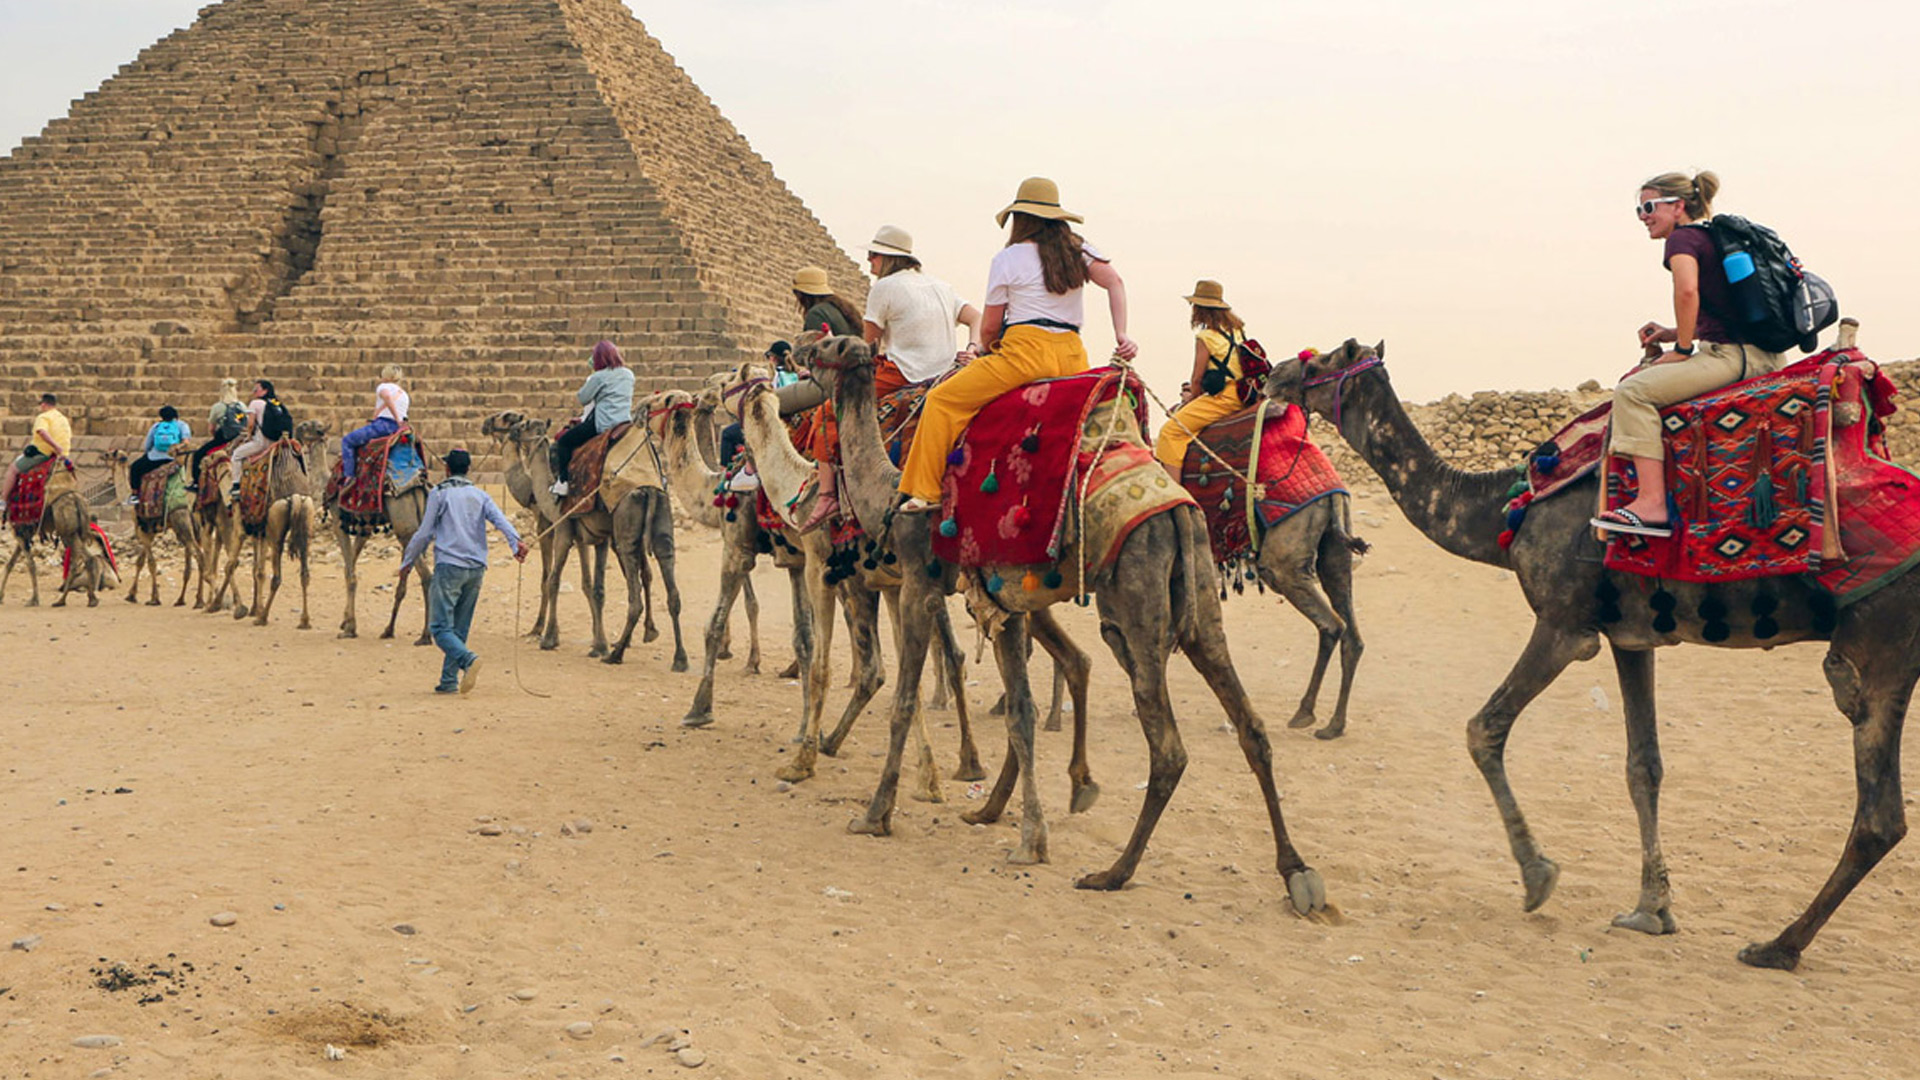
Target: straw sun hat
[1040,197]
[1209,294]
[812,281]
[891,240]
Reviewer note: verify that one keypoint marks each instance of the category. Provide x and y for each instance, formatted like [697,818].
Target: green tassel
[991,484]
[1761,509]
[1801,483]
[1519,486]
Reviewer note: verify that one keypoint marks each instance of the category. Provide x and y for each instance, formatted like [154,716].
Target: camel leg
[1336,578]
[33,576]
[350,547]
[915,611]
[803,641]
[819,672]
[630,549]
[662,545]
[19,548]
[1071,666]
[1057,699]
[539,628]
[189,558]
[153,569]
[753,630]
[1548,652]
[1872,682]
[142,548]
[278,524]
[423,570]
[301,522]
[597,599]
[1653,915]
[863,629]
[550,585]
[953,665]
[1012,647]
[735,564]
[1299,589]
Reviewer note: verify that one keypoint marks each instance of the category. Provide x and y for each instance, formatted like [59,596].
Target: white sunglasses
[1646,208]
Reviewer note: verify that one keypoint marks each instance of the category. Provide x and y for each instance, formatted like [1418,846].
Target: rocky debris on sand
[525,993]
[28,943]
[689,1057]
[580,1029]
[97,1042]
[224,918]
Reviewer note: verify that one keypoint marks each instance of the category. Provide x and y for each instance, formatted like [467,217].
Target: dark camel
[1160,593]
[1871,660]
[146,535]
[404,511]
[65,518]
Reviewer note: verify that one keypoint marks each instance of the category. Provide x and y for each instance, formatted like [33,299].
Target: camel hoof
[1330,732]
[1770,955]
[346,634]
[861,826]
[727,654]
[696,720]
[679,663]
[1084,796]
[792,671]
[648,635]
[62,602]
[929,792]
[793,774]
[35,602]
[423,639]
[155,602]
[304,624]
[1646,922]
[1104,881]
[386,635]
[179,603]
[970,770]
[1025,855]
[1052,724]
[93,601]
[1306,891]
[1301,719]
[1540,878]
[596,652]
[982,816]
[548,646]
[615,657]
[132,599]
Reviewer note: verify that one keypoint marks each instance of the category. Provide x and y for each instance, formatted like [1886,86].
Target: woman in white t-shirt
[390,405]
[1032,325]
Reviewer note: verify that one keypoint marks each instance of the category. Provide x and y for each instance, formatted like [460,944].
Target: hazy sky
[1455,177]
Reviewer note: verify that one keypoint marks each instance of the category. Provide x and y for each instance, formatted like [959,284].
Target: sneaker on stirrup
[559,488]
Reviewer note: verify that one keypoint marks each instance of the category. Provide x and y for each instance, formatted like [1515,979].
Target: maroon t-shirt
[1715,294]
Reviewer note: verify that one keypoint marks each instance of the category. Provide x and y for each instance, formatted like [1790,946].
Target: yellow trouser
[1170,446]
[1026,353]
[1638,399]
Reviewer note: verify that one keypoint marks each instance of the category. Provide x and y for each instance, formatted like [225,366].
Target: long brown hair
[807,300]
[1220,320]
[1061,261]
[893,264]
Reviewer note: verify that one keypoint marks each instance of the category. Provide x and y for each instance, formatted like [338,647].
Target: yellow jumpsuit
[1192,418]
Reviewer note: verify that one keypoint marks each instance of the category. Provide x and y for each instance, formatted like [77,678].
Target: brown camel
[1159,593]
[1871,663]
[146,534]
[288,526]
[64,518]
[218,527]
[638,527]
[404,510]
[520,486]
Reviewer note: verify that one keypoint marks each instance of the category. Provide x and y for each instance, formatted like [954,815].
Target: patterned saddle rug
[1010,478]
[256,482]
[1290,472]
[28,503]
[213,470]
[1783,474]
[587,467]
[161,490]
[382,467]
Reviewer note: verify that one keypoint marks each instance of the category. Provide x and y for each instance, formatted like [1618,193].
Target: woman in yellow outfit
[1217,333]
[1031,325]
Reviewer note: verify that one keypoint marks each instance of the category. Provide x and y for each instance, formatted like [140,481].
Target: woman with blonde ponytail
[1707,352]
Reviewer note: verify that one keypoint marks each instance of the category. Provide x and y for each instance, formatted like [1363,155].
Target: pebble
[28,943]
[580,1029]
[489,829]
[97,1042]
[525,994]
[604,1005]
[680,1042]
[100,1074]
[690,1057]
[224,918]
[405,929]
[56,907]
[333,1053]
[583,826]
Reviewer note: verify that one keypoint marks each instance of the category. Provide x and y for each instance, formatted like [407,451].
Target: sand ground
[164,766]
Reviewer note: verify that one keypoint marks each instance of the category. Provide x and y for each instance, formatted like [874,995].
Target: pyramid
[310,189]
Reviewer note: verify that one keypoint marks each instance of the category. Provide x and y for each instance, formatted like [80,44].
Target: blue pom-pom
[949,528]
[993,583]
[733,515]
[1515,516]
[955,456]
[1546,462]
[933,568]
[1054,579]
[1031,443]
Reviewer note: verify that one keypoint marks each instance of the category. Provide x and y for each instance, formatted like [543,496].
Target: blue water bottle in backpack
[1744,285]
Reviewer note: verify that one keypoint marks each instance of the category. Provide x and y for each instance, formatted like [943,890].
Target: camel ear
[1380,348]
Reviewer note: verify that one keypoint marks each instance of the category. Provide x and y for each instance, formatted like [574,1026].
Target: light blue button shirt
[455,523]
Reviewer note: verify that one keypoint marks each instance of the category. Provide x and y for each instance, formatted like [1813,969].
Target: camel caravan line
[1794,527]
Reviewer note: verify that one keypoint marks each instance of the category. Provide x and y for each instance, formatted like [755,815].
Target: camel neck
[783,469]
[693,482]
[872,482]
[1461,511]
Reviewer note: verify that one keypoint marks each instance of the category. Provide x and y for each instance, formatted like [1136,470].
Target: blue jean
[352,441]
[451,596]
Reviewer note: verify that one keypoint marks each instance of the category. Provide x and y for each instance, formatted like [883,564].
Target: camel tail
[300,525]
[1188,585]
[1343,521]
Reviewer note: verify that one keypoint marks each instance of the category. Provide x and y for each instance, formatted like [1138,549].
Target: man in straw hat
[1213,391]
[455,523]
[1031,325]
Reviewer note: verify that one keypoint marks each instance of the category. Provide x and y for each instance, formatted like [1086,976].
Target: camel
[1870,663]
[639,526]
[66,518]
[289,525]
[404,511]
[1159,593]
[218,527]
[146,535]
[520,486]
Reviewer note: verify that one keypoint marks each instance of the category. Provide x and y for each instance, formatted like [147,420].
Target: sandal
[1626,521]
[917,505]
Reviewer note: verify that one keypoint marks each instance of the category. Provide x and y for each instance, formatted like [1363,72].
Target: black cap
[458,461]
[779,348]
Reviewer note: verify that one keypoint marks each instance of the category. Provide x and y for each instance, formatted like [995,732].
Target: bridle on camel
[1339,380]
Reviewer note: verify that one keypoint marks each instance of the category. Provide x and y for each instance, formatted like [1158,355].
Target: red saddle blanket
[586,468]
[1008,478]
[367,497]
[256,483]
[1289,470]
[213,477]
[28,503]
[152,507]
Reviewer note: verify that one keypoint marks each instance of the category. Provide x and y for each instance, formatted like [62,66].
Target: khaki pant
[1638,399]
[1170,446]
[1025,353]
[252,447]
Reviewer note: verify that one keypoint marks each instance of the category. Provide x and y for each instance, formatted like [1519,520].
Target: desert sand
[445,887]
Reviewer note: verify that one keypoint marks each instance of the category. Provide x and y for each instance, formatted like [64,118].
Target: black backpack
[1254,368]
[276,423]
[233,421]
[1780,304]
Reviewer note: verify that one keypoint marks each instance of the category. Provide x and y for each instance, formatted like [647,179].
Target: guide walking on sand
[455,523]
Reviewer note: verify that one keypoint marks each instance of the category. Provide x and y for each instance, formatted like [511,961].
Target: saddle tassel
[1761,508]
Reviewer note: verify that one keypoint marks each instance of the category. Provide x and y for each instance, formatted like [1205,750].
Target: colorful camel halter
[1339,381]
[741,390]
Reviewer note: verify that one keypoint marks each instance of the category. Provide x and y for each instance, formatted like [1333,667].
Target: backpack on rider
[276,423]
[1254,367]
[1778,303]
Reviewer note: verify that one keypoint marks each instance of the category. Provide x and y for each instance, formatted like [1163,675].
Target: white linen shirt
[400,399]
[916,315]
[1016,280]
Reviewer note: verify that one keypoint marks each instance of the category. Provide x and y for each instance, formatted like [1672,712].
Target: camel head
[733,385]
[1312,380]
[116,457]
[499,427]
[666,412]
[528,431]
[827,357]
[708,396]
[310,432]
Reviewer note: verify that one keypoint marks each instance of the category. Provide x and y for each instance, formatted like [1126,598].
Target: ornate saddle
[1015,473]
[28,503]
[160,489]
[382,467]
[1290,472]
[587,469]
[212,478]
[256,482]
